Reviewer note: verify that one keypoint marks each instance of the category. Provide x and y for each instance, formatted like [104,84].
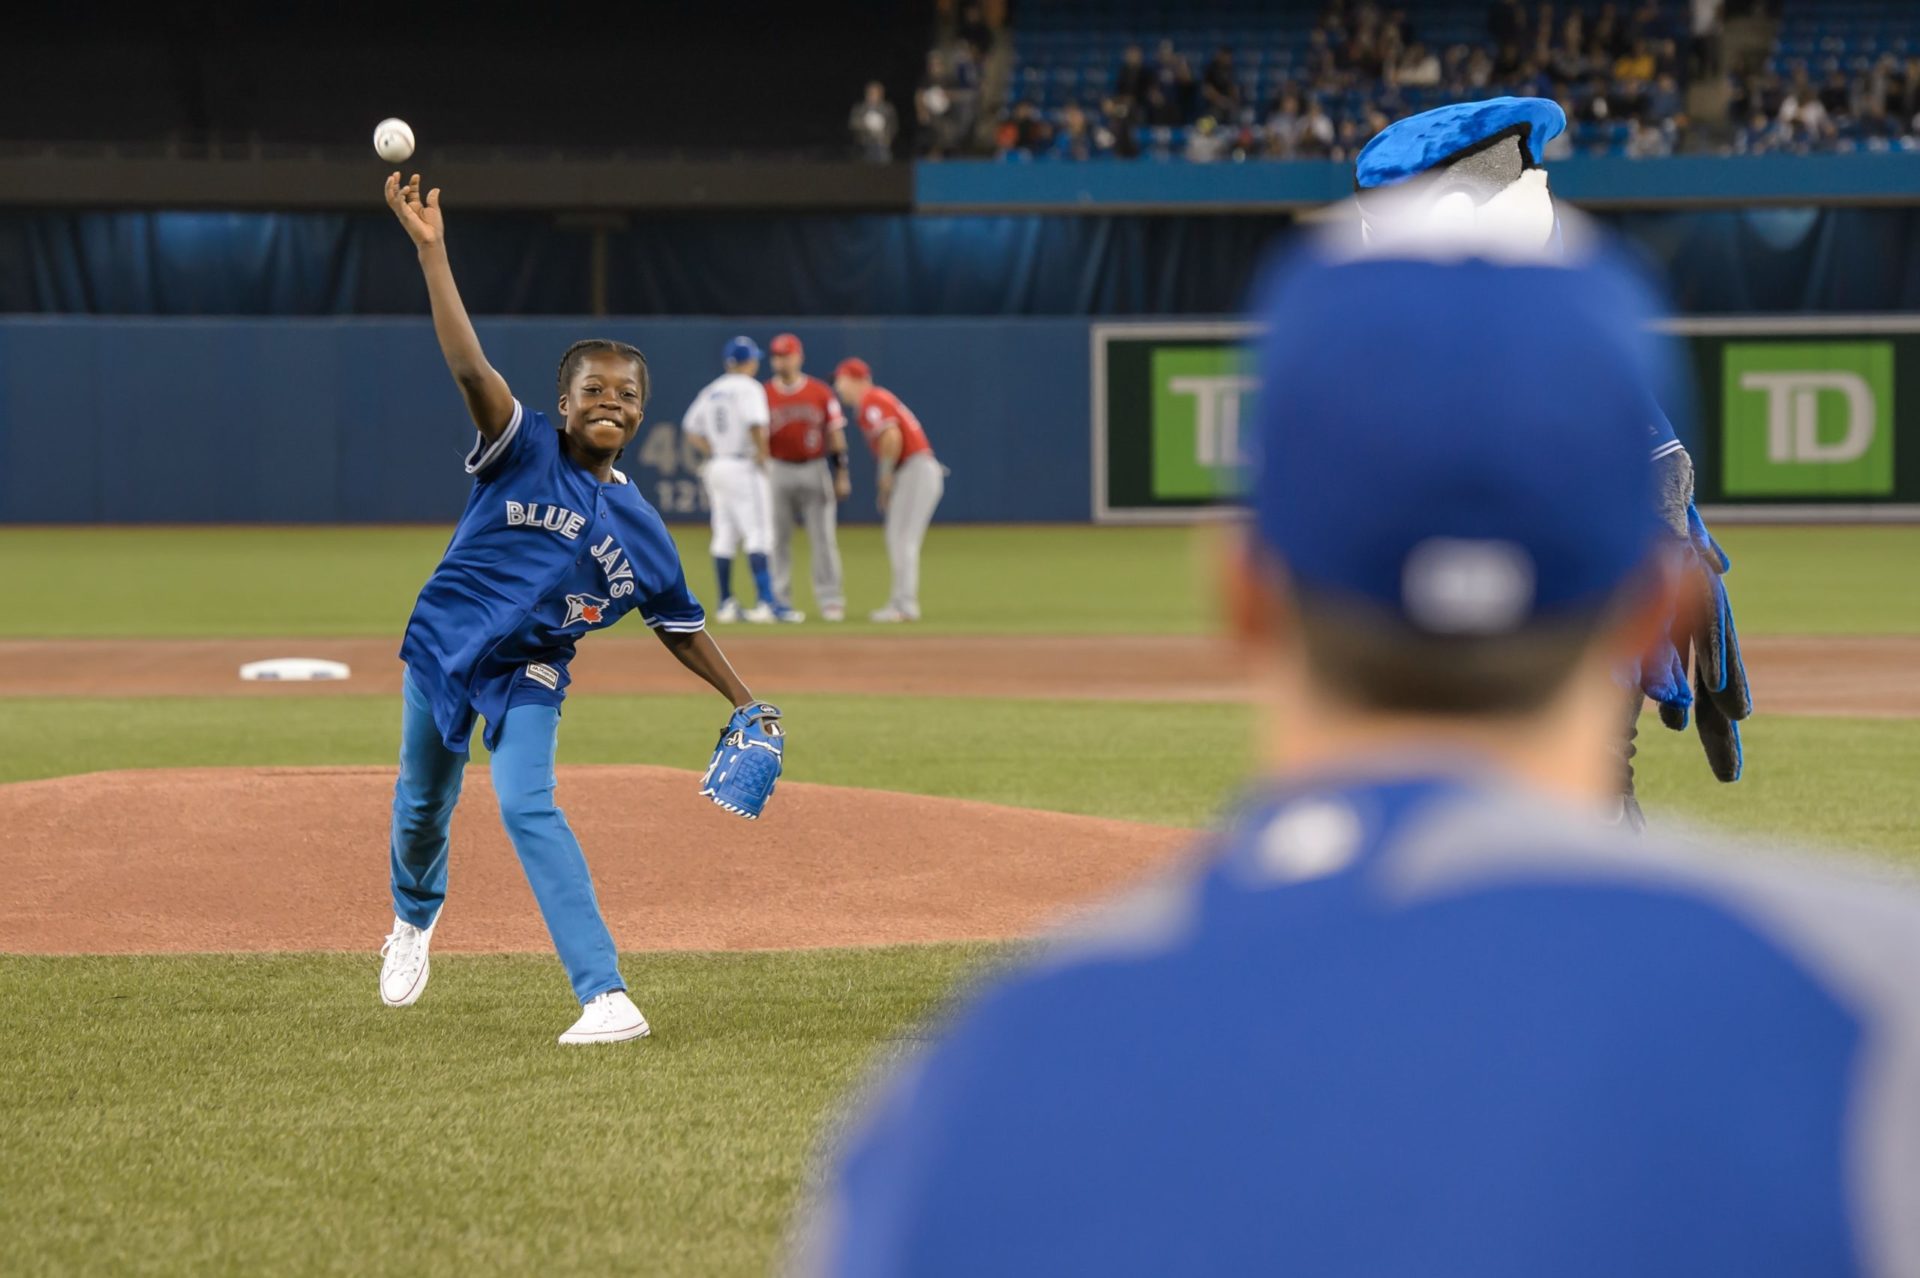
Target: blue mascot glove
[1663,677]
[1721,697]
[746,763]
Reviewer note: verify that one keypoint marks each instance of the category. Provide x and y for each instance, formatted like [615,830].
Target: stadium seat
[1070,50]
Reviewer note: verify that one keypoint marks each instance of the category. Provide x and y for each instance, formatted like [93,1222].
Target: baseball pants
[803,497]
[917,488]
[741,505]
[1631,816]
[556,869]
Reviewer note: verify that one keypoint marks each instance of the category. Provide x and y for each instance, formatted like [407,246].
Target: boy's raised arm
[489,401]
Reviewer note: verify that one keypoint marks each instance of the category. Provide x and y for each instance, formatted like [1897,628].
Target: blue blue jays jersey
[543,554]
[1420,1027]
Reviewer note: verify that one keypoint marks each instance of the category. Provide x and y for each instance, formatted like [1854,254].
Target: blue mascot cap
[741,349]
[1419,143]
[1458,446]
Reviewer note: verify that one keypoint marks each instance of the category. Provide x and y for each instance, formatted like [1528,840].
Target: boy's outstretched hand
[421,217]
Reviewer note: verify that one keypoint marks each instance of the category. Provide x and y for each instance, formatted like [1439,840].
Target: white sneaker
[891,615]
[789,616]
[608,1018]
[728,611]
[761,614]
[404,973]
[834,613]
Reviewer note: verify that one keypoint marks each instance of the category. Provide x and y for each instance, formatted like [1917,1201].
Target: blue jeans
[423,801]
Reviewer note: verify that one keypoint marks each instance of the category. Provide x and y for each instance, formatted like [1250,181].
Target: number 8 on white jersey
[725,413]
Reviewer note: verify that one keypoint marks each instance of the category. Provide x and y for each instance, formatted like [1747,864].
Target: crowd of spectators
[1617,67]
[946,105]
[1365,65]
[946,102]
[1877,105]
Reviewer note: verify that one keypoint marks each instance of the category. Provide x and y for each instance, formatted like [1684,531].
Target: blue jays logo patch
[591,609]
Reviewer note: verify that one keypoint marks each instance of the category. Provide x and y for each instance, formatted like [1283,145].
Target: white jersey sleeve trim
[485,454]
[1666,449]
[676,627]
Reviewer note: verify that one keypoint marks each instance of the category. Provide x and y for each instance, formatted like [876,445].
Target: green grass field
[1828,781]
[263,1114]
[1060,580]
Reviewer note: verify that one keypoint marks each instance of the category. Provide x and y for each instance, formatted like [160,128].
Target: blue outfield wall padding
[865,264]
[953,185]
[1198,262]
[318,420]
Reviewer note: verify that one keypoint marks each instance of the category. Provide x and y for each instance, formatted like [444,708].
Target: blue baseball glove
[746,763]
[1720,697]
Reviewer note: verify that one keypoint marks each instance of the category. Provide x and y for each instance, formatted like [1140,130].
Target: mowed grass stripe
[1168,763]
[222,582]
[1829,782]
[328,581]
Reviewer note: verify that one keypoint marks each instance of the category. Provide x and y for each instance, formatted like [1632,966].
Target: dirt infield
[1869,676]
[232,860]
[293,859]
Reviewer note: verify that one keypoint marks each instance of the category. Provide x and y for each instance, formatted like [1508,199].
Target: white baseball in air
[393,139]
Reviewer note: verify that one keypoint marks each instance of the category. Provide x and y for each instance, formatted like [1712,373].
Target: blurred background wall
[207,315]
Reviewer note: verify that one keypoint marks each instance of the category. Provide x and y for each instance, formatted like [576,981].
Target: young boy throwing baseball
[554,543]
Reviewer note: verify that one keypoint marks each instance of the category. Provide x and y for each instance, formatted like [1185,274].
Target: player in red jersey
[809,475]
[910,479]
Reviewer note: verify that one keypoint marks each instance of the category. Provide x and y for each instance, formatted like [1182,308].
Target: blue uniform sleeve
[899,1182]
[665,600]
[914,1176]
[526,437]
[1660,430]
[674,608]
[865,1220]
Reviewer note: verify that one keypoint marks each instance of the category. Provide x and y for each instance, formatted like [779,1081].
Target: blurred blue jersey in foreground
[1409,1014]
[1420,1027]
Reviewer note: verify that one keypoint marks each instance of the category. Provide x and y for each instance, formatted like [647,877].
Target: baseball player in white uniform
[727,427]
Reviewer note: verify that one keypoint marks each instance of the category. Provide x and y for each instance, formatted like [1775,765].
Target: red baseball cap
[853,368]
[785,344]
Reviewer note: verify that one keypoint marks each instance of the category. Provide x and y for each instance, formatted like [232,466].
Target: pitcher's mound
[228,859]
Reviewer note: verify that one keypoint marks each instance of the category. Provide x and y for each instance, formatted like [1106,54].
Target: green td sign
[1198,396]
[1793,413]
[1172,416]
[1808,418]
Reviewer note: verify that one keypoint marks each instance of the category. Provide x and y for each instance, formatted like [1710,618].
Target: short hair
[1374,660]
[570,362]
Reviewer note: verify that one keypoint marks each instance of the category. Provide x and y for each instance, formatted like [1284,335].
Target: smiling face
[604,403]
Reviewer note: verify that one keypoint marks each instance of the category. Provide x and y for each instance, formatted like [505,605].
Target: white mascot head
[1467,176]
